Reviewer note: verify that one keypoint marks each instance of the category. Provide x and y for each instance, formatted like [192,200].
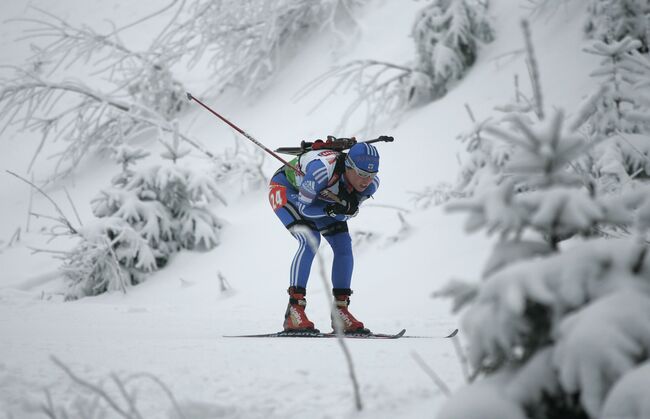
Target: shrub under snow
[143,218]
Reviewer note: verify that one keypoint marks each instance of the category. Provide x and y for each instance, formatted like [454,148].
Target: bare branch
[533,70]
[74,208]
[431,373]
[92,387]
[381,89]
[64,219]
[164,388]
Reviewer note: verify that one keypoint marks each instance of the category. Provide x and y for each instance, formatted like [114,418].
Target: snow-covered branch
[380,88]
[87,119]
[447,35]
[245,43]
[561,330]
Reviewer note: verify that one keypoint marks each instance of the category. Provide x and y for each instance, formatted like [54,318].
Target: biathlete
[298,200]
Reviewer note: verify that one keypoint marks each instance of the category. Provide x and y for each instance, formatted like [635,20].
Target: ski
[450,335]
[400,334]
[284,334]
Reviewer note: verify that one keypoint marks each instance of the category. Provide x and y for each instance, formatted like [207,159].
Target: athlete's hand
[349,208]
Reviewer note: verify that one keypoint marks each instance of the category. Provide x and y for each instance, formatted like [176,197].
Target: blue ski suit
[296,201]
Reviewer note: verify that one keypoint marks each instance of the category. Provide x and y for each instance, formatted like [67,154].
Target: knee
[341,243]
[307,237]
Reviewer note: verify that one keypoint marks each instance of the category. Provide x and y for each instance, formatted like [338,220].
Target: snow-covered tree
[110,256]
[560,317]
[535,323]
[147,215]
[447,34]
[622,107]
[486,156]
[165,203]
[619,120]
[613,20]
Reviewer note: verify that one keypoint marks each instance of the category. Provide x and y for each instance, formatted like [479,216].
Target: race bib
[277,196]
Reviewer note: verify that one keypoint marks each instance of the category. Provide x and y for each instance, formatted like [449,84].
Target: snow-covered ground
[172,325]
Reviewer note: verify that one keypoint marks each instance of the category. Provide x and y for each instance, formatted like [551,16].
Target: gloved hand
[349,208]
[338,210]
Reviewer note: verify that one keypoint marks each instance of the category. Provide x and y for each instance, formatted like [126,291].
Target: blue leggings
[308,233]
[341,266]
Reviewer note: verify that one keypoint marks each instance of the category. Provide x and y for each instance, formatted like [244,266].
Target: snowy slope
[172,325]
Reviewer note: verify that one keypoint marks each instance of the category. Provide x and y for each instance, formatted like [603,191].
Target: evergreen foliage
[146,215]
[558,325]
[623,106]
[447,36]
[613,20]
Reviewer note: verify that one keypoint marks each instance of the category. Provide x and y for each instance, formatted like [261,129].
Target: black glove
[339,209]
[349,205]
[350,200]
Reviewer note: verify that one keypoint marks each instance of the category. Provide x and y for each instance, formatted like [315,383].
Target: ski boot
[341,302]
[295,318]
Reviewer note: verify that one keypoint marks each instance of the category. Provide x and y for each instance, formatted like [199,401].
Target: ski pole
[244,133]
[326,194]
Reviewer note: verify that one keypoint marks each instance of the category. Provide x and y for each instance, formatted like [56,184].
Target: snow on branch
[68,45]
[142,92]
[447,36]
[87,119]
[246,43]
[147,214]
[558,326]
[613,20]
[379,89]
[600,343]
[625,101]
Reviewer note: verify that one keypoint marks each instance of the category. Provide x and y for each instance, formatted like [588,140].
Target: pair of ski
[283,334]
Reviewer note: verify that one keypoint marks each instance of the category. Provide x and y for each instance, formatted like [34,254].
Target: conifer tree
[447,35]
[558,325]
[539,304]
[613,20]
[621,108]
[146,216]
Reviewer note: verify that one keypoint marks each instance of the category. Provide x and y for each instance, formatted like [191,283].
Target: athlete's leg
[339,239]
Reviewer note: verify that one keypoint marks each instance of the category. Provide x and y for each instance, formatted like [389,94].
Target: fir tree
[558,326]
[539,303]
[613,20]
[447,35]
[621,108]
[146,216]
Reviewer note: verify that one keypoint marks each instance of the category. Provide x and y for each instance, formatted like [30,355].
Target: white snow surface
[172,325]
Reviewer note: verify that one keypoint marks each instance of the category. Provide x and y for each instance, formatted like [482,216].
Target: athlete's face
[359,181]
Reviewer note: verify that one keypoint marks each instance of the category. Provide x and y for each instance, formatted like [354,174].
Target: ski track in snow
[171,325]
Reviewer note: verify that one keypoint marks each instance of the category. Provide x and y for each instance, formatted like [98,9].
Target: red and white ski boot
[295,318]
[350,323]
